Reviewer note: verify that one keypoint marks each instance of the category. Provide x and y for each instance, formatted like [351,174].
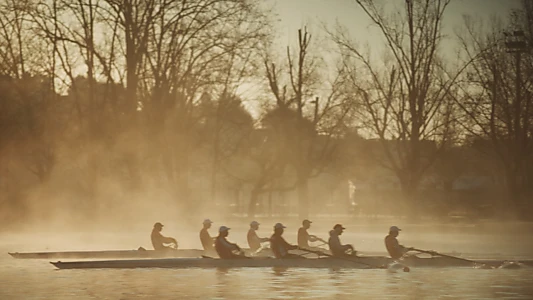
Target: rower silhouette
[159,241]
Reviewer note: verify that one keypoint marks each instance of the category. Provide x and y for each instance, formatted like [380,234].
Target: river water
[37,279]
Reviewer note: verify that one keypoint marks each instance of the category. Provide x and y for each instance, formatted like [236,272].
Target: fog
[496,240]
[105,131]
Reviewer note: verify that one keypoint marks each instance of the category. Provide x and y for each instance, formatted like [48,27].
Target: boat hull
[110,254]
[126,254]
[266,262]
[334,263]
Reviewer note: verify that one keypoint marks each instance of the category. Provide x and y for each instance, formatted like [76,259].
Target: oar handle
[322,240]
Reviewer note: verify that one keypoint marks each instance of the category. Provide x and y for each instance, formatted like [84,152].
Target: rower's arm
[229,245]
[168,240]
[289,246]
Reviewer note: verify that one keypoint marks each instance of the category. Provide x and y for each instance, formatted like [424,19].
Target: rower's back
[393,246]
[334,244]
[303,238]
[223,248]
[253,240]
[157,240]
[206,239]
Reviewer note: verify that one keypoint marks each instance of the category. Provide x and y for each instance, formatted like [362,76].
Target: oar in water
[452,257]
[354,260]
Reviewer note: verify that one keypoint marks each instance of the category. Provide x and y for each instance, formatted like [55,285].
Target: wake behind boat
[367,262]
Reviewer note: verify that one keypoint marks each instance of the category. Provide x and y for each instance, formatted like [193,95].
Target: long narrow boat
[125,254]
[329,262]
[109,254]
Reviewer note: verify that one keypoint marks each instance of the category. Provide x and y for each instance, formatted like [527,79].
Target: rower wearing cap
[205,237]
[254,241]
[394,248]
[279,246]
[224,248]
[304,237]
[335,246]
[159,241]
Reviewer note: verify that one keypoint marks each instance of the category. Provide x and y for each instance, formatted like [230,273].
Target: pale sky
[294,14]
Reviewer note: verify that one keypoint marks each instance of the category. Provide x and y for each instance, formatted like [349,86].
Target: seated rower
[279,246]
[205,237]
[254,241]
[396,251]
[335,246]
[224,248]
[304,237]
[159,241]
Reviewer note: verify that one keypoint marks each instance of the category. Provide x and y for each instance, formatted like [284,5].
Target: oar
[340,257]
[322,241]
[452,257]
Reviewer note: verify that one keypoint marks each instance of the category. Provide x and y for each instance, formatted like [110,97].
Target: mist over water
[498,239]
[111,122]
[37,279]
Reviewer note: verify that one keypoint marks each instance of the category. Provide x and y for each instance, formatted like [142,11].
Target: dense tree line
[107,104]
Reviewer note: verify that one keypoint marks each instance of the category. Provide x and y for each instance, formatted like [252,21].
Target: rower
[254,241]
[159,241]
[304,237]
[394,248]
[224,248]
[279,246]
[335,246]
[205,237]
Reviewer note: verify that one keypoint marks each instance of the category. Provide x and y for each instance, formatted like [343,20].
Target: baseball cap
[158,224]
[279,225]
[254,223]
[306,222]
[338,226]
[223,228]
[394,228]
[207,221]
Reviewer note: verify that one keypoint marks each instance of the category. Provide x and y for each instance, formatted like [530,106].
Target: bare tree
[405,100]
[496,96]
[308,131]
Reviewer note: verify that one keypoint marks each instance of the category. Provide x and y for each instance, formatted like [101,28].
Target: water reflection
[36,279]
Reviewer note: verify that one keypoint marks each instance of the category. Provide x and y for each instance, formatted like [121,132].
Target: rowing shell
[133,254]
[110,254]
[352,263]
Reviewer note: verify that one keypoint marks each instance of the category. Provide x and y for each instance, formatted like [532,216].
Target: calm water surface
[37,279]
